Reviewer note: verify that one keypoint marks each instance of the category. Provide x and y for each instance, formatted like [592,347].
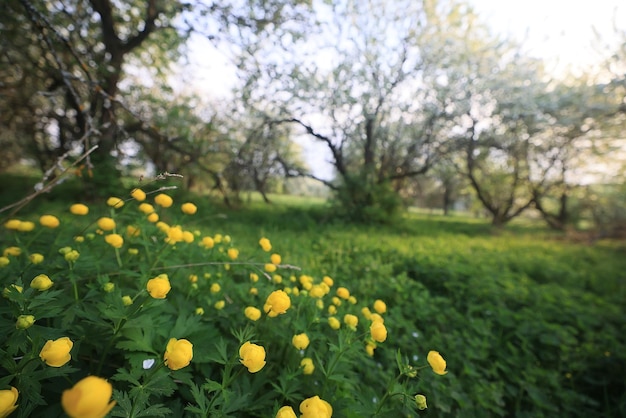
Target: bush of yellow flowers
[122,310]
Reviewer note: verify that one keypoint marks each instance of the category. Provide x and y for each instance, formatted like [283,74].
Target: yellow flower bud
[79,209]
[270,268]
[219,305]
[378,331]
[35,258]
[189,208]
[115,202]
[4,261]
[178,353]
[380,306]
[24,321]
[106,224]
[138,194]
[207,242]
[233,253]
[277,303]
[315,408]
[159,287]
[114,240]
[26,226]
[88,398]
[200,311]
[49,221]
[163,200]
[286,412]
[252,313]
[275,258]
[127,300]
[254,277]
[307,365]
[56,353]
[334,322]
[12,251]
[343,293]
[252,356]
[153,217]
[420,400]
[437,362]
[265,244]
[71,256]
[108,287]
[351,321]
[300,341]
[41,282]
[146,208]
[8,401]
[13,224]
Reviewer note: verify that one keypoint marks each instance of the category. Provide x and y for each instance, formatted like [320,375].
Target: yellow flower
[8,401]
[217,238]
[252,313]
[352,300]
[163,226]
[378,331]
[233,253]
[252,356]
[207,242]
[219,305]
[127,300]
[159,287]
[24,321]
[254,277]
[193,278]
[146,208]
[35,258]
[199,311]
[138,194]
[270,268]
[277,303]
[79,209]
[265,244]
[163,200]
[286,412]
[49,221]
[189,208]
[108,287]
[328,280]
[12,251]
[89,398]
[316,292]
[315,408]
[307,365]
[343,293]
[56,353]
[153,217]
[369,349]
[106,224]
[41,282]
[420,400]
[275,258]
[26,226]
[133,231]
[437,362]
[351,321]
[114,240]
[115,202]
[215,288]
[174,235]
[178,353]
[380,306]
[332,310]
[4,261]
[79,238]
[71,256]
[300,341]
[188,237]
[254,291]
[13,224]
[226,239]
[334,322]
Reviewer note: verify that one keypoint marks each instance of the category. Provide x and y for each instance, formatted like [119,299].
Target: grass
[531,325]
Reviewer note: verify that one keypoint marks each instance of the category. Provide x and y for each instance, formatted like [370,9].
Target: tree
[361,87]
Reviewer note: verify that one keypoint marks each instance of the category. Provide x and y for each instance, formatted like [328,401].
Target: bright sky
[560,31]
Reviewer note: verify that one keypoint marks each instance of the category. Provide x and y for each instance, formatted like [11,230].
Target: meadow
[529,323]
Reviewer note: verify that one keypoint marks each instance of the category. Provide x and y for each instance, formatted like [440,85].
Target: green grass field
[531,325]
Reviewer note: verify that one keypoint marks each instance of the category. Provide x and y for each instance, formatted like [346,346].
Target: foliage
[158,308]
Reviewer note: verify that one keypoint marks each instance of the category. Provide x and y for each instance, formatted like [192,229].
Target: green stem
[117,256]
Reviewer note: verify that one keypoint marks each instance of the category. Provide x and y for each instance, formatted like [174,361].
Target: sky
[560,31]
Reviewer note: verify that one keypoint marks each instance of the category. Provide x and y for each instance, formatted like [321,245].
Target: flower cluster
[106,298]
